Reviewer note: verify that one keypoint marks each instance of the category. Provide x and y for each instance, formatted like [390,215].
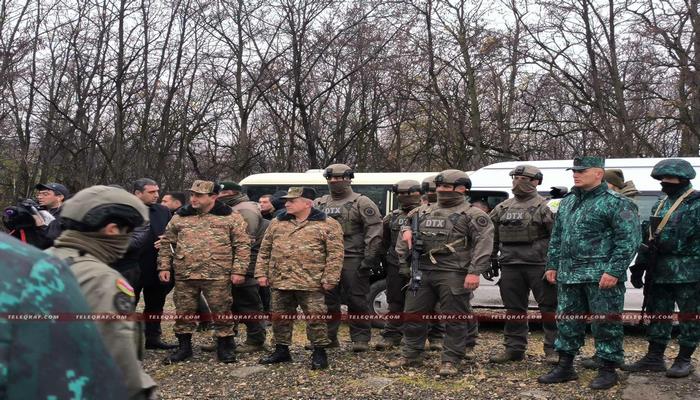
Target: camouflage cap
[673,167]
[615,177]
[428,184]
[583,163]
[295,192]
[94,197]
[230,185]
[527,170]
[204,187]
[406,186]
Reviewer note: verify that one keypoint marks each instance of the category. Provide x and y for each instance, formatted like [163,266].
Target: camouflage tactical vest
[517,224]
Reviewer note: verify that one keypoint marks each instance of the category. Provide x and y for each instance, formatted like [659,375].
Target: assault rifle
[416,251]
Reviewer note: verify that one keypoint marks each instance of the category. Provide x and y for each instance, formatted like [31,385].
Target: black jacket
[159,216]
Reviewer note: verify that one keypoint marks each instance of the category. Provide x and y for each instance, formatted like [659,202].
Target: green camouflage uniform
[595,232]
[59,359]
[676,276]
[208,249]
[298,258]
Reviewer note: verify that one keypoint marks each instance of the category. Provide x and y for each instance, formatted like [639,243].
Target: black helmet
[92,208]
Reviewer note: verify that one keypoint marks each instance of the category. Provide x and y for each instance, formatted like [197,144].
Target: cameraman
[51,197]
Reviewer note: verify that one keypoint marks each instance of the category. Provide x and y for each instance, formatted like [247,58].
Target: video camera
[21,215]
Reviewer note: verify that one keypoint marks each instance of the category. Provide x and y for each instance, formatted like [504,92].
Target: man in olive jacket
[301,258]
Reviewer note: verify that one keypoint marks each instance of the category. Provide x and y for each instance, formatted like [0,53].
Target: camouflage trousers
[218,294]
[515,285]
[445,290]
[662,300]
[581,299]
[311,303]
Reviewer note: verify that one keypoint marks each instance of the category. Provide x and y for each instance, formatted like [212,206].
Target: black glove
[493,272]
[637,277]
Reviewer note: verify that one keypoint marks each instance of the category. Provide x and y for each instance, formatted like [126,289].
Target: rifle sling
[666,217]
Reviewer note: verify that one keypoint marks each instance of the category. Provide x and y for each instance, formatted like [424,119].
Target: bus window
[488,197]
[378,193]
[645,202]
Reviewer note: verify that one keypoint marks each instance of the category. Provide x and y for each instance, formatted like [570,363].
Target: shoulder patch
[369,211]
[482,221]
[626,214]
[123,303]
[124,287]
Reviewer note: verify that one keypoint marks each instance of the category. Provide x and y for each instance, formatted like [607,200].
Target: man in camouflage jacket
[675,276]
[301,258]
[595,237]
[207,247]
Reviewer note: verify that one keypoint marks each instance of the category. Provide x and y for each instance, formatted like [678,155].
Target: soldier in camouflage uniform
[208,247]
[246,297]
[457,244]
[616,181]
[408,195]
[97,223]
[523,225]
[675,277]
[41,360]
[362,234]
[596,234]
[301,257]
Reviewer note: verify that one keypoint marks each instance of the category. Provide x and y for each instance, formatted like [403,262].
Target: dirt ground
[366,375]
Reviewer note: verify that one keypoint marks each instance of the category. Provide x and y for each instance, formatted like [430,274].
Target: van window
[645,202]
[375,192]
[490,197]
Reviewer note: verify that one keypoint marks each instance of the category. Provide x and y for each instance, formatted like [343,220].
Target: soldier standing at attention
[49,359]
[362,234]
[208,247]
[97,223]
[457,244]
[301,257]
[523,225]
[673,234]
[596,234]
[408,195]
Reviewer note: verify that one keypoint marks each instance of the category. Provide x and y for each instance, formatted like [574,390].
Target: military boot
[360,347]
[607,377]
[319,359]
[507,356]
[563,372]
[682,366]
[469,354]
[448,369]
[590,363]
[226,349]
[184,350]
[250,348]
[280,355]
[653,361]
[156,343]
[435,344]
[405,362]
[551,357]
[387,343]
[333,345]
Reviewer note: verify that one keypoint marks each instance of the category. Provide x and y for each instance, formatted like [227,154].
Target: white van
[375,185]
[492,184]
